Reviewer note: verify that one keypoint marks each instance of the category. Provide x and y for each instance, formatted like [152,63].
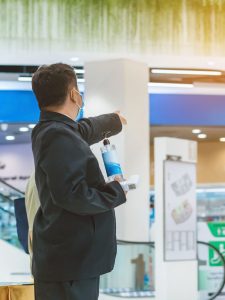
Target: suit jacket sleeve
[64,164]
[93,129]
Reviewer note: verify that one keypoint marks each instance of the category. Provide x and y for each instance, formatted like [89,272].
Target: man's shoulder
[50,129]
[55,134]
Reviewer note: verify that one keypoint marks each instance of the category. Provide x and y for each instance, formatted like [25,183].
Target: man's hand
[118,178]
[122,119]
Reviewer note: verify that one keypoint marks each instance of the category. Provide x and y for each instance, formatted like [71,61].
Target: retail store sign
[211,270]
[217,229]
[180,211]
[214,259]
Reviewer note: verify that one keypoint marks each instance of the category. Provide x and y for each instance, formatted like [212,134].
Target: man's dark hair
[51,83]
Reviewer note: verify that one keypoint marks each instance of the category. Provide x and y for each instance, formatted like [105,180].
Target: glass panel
[133,275]
[8,230]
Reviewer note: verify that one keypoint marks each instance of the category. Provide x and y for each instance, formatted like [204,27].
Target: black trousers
[87,289]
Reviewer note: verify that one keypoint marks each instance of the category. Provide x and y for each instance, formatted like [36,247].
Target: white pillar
[122,85]
[175,280]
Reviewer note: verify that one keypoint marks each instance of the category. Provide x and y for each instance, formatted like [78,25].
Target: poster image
[180,211]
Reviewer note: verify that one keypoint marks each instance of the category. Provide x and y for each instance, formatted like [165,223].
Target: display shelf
[210,203]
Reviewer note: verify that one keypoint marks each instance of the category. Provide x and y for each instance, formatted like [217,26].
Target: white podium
[175,226]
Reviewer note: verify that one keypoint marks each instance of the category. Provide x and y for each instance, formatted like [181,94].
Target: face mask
[80,113]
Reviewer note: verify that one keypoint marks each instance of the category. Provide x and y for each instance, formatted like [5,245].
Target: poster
[180,211]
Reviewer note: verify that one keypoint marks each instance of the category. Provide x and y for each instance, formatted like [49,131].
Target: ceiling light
[25,78]
[31,126]
[186,72]
[74,58]
[170,85]
[10,137]
[202,136]
[222,139]
[4,126]
[23,129]
[196,131]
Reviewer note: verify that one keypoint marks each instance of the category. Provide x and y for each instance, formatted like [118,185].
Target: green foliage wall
[147,26]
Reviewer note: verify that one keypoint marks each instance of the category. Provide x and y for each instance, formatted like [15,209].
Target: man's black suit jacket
[74,234]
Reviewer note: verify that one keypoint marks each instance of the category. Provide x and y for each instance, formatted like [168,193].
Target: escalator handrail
[152,245]
[123,242]
[12,187]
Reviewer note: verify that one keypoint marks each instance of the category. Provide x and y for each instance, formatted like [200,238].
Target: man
[74,233]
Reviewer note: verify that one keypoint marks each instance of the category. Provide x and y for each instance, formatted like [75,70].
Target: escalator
[14,262]
[138,260]
[8,230]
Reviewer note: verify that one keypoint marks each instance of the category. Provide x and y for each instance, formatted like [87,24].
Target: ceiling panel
[13,130]
[213,133]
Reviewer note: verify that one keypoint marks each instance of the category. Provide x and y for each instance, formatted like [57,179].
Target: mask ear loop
[81,98]
[78,106]
[79,110]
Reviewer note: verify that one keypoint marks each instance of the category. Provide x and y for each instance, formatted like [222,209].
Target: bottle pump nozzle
[106,140]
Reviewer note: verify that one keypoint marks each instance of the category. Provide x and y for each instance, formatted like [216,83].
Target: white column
[122,85]
[175,280]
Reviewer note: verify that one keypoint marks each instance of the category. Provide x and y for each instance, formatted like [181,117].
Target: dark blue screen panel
[187,110]
[18,106]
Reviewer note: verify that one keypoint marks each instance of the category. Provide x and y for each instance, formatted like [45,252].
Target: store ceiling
[15,72]
[13,130]
[197,80]
[213,133]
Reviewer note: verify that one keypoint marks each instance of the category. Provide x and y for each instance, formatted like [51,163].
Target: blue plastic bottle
[110,160]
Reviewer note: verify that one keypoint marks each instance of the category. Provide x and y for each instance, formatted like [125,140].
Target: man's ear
[73,95]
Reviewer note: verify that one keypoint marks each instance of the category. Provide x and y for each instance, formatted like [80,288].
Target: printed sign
[180,211]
